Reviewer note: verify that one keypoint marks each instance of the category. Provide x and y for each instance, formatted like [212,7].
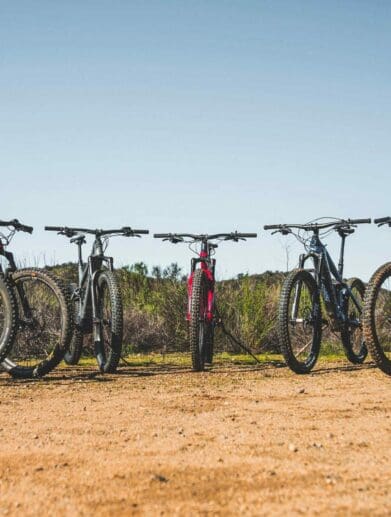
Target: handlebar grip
[247,235]
[360,221]
[272,226]
[54,228]
[382,220]
[26,228]
[141,232]
[162,235]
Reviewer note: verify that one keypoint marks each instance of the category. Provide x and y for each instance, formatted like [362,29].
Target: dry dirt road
[164,441]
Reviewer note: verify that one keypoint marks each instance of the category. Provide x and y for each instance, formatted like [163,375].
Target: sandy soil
[164,441]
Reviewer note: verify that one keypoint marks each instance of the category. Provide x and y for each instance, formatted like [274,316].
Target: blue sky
[196,116]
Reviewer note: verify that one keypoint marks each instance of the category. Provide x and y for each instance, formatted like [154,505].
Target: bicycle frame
[88,275]
[329,279]
[207,264]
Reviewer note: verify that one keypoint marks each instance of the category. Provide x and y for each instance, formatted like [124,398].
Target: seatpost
[341,255]
[79,245]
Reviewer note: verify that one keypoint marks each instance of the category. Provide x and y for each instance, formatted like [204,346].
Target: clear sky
[199,116]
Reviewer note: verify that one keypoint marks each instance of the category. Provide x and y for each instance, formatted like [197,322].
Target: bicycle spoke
[301,350]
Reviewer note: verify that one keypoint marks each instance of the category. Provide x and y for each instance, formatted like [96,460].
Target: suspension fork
[97,331]
[207,265]
[296,298]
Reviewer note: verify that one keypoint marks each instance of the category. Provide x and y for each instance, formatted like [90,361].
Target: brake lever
[67,233]
[284,231]
[15,223]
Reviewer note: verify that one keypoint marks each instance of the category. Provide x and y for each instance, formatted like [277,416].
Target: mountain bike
[97,297]
[307,293]
[41,311]
[201,311]
[377,312]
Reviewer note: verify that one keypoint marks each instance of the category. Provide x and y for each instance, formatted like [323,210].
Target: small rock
[292,447]
[160,478]
[301,390]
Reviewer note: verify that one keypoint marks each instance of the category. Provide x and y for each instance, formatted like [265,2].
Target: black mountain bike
[40,327]
[201,312]
[377,312]
[97,298]
[306,293]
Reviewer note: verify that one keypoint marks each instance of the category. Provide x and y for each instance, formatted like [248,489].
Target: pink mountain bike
[201,312]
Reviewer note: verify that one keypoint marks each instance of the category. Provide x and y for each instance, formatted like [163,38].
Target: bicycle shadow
[90,374]
[343,368]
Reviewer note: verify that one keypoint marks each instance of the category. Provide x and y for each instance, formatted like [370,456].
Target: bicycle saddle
[344,232]
[79,239]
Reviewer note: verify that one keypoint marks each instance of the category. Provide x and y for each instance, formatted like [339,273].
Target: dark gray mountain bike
[97,297]
[377,312]
[40,324]
[306,293]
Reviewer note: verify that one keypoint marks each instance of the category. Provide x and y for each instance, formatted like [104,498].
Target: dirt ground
[161,440]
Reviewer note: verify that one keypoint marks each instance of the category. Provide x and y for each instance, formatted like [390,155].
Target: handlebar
[178,237]
[71,232]
[285,228]
[19,227]
[382,220]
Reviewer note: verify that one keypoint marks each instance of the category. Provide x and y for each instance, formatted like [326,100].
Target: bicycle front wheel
[352,333]
[44,326]
[377,317]
[209,345]
[111,320]
[8,317]
[73,354]
[199,324]
[300,321]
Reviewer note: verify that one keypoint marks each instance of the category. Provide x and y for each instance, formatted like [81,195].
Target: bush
[155,306]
